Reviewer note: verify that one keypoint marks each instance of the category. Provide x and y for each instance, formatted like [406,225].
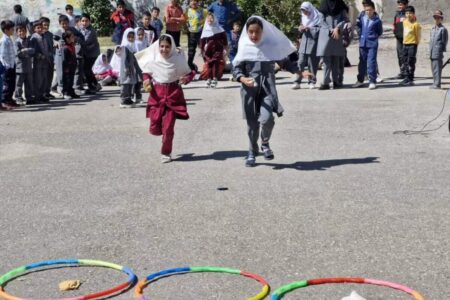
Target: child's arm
[147,84]
[445,39]
[188,78]
[418,32]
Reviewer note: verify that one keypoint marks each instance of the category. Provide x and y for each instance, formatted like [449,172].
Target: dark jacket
[41,56]
[150,28]
[398,24]
[91,45]
[48,39]
[369,33]
[70,59]
[25,53]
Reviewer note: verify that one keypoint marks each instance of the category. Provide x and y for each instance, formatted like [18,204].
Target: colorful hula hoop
[155,276]
[80,262]
[280,292]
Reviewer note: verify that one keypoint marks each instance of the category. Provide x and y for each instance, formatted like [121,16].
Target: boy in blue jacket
[370,29]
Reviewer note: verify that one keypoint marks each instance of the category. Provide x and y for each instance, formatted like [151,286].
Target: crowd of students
[37,64]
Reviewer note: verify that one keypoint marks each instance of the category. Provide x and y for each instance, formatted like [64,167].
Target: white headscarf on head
[210,30]
[140,45]
[163,70]
[314,17]
[126,43]
[273,46]
[115,62]
[99,66]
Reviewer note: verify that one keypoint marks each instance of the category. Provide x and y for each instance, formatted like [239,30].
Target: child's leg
[253,128]
[412,61]
[314,66]
[302,63]
[29,92]
[362,65]
[192,46]
[168,131]
[9,85]
[400,55]
[327,66]
[20,79]
[137,91]
[372,64]
[436,68]
[90,77]
[49,82]
[66,89]
[125,92]
[405,66]
[266,120]
[79,74]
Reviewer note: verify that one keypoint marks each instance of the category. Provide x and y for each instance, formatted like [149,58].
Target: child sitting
[103,71]
[213,43]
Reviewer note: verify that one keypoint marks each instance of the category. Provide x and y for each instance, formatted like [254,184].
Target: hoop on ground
[280,292]
[176,271]
[132,278]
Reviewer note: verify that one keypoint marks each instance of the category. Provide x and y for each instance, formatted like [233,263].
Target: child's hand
[184,80]
[335,34]
[147,86]
[248,81]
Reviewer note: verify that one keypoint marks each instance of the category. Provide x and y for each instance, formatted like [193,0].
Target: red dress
[213,53]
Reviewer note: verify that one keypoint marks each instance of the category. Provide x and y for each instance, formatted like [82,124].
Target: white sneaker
[67,97]
[372,86]
[312,86]
[214,83]
[208,83]
[380,80]
[358,84]
[165,159]
[295,86]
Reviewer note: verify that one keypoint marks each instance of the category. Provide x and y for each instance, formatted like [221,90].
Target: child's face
[70,39]
[305,12]
[369,11]
[120,9]
[155,14]
[45,26]
[130,37]
[164,49]
[140,35]
[69,11]
[410,16]
[437,20]
[210,19]
[254,32]
[401,6]
[85,22]
[22,32]
[38,29]
[9,32]
[104,60]
[146,20]
[64,25]
[118,52]
[194,4]
[236,27]
[173,2]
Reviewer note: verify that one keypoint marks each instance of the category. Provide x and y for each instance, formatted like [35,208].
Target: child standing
[69,65]
[411,38]
[2,105]
[260,45]
[156,22]
[70,15]
[48,39]
[141,39]
[234,42]
[24,75]
[130,75]
[151,34]
[438,45]
[370,29]
[174,19]
[40,63]
[91,52]
[8,60]
[122,19]
[165,69]
[195,17]
[310,28]
[400,16]
[213,43]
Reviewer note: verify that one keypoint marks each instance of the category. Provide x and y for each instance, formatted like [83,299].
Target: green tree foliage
[249,8]
[100,12]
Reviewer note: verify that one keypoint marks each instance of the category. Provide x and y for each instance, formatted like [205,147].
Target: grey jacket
[438,42]
[91,45]
[25,53]
[327,46]
[130,72]
[309,40]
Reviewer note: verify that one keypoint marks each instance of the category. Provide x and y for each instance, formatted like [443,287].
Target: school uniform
[48,39]
[91,52]
[158,25]
[79,79]
[130,76]
[213,43]
[40,66]
[69,66]
[8,59]
[370,30]
[24,69]
[151,33]
[438,45]
[399,17]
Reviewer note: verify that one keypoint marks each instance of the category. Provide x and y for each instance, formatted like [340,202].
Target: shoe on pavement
[67,97]
[358,84]
[268,153]
[165,159]
[324,87]
[312,86]
[372,86]
[295,86]
[250,160]
[127,104]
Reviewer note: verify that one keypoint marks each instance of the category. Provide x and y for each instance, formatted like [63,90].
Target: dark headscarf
[332,7]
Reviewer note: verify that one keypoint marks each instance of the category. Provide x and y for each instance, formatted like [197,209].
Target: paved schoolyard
[344,196]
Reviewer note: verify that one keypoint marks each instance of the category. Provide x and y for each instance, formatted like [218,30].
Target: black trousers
[409,61]
[176,36]
[400,54]
[9,84]
[24,80]
[79,74]
[50,72]
[68,80]
[89,75]
[193,41]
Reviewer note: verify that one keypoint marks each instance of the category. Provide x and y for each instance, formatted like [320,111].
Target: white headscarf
[100,67]
[314,18]
[163,70]
[140,45]
[115,62]
[210,30]
[126,43]
[274,45]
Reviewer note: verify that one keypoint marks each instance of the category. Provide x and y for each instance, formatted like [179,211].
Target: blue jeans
[367,64]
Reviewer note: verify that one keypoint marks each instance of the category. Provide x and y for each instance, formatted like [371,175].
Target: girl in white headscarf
[128,40]
[130,77]
[309,30]
[213,43]
[103,70]
[261,44]
[165,68]
[141,39]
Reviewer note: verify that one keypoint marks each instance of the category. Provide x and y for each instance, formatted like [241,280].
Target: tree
[100,12]
[249,8]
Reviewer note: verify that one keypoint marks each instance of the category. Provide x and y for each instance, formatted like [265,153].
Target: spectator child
[400,16]
[235,36]
[213,44]
[8,60]
[156,22]
[48,40]
[151,34]
[370,29]
[41,63]
[19,19]
[24,67]
[174,19]
[69,65]
[103,70]
[121,19]
[70,15]
[91,52]
[165,69]
[195,17]
[141,39]
[438,45]
[411,38]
